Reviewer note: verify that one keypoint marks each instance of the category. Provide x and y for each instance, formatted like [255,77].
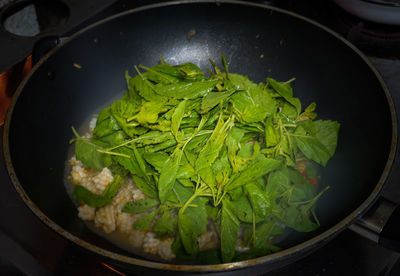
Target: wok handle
[390,235]
[381,224]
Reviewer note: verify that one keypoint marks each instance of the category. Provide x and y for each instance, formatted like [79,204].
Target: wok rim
[277,257]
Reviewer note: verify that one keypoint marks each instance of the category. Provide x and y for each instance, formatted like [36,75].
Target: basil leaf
[190,90]
[166,225]
[312,148]
[254,104]
[187,234]
[212,99]
[106,124]
[137,167]
[211,150]
[256,168]
[112,188]
[229,233]
[210,257]
[148,112]
[84,196]
[182,193]
[144,222]
[156,159]
[136,207]
[177,118]
[286,91]
[258,200]
[168,175]
[86,152]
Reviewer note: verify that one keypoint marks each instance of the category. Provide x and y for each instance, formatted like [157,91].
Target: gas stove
[22,234]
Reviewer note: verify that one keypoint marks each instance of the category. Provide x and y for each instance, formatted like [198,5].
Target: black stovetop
[28,247]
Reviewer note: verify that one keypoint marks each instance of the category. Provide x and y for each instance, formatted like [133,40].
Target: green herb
[136,207]
[84,196]
[144,222]
[229,232]
[218,152]
[86,150]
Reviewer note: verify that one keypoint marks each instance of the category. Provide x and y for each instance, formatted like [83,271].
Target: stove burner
[372,38]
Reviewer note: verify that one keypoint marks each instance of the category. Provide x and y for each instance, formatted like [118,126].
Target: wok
[257,41]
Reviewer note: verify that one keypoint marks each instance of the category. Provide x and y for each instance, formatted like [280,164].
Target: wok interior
[270,43]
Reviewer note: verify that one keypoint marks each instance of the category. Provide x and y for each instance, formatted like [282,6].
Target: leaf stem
[75,132]
[113,153]
[254,228]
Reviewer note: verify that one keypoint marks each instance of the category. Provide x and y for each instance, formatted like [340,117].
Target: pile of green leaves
[216,152]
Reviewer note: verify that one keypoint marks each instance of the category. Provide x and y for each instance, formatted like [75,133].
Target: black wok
[257,41]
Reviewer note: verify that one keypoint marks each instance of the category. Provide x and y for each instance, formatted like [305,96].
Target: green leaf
[258,200]
[84,196]
[211,150]
[317,140]
[166,225]
[210,257]
[222,168]
[144,222]
[182,193]
[256,168]
[133,95]
[278,182]
[264,232]
[286,91]
[113,139]
[198,215]
[177,118]
[106,124]
[190,90]
[241,82]
[187,234]
[212,99]
[236,193]
[327,133]
[211,211]
[159,74]
[148,112]
[169,70]
[242,209]
[254,104]
[168,175]
[112,188]
[272,135]
[135,165]
[145,186]
[144,88]
[131,163]
[154,137]
[289,111]
[299,218]
[156,159]
[136,207]
[86,152]
[190,71]
[308,113]
[123,109]
[229,233]
[185,169]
